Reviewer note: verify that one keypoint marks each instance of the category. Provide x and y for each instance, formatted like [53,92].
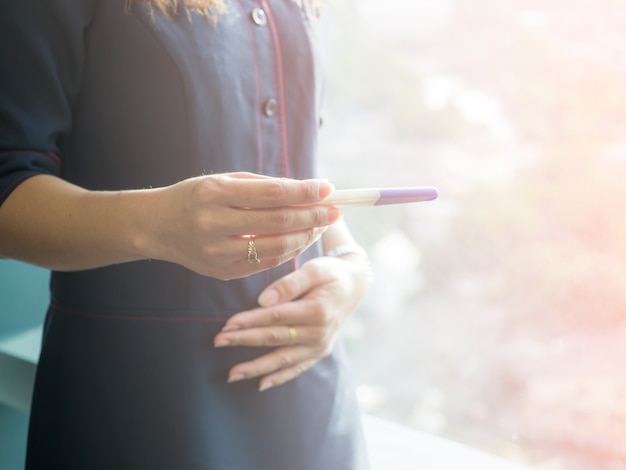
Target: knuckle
[206,224]
[200,189]
[318,335]
[321,316]
[276,317]
[206,188]
[304,366]
[289,286]
[318,216]
[282,219]
[285,360]
[271,338]
[275,191]
[314,270]
[311,237]
[311,191]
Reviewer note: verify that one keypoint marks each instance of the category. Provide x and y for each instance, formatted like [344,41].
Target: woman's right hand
[205,223]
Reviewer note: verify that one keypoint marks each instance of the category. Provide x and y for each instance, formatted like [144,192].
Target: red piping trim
[50,155]
[276,93]
[258,92]
[281,83]
[55,156]
[103,316]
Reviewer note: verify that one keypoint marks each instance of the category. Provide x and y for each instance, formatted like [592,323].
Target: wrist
[347,249]
[140,212]
[354,251]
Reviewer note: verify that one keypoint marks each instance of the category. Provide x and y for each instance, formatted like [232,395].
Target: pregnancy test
[380,196]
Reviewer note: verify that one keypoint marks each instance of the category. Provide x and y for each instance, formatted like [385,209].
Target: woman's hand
[205,223]
[300,315]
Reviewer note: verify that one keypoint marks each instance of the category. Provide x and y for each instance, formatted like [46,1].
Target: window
[498,313]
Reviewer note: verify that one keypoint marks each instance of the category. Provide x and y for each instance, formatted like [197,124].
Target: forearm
[54,224]
[200,223]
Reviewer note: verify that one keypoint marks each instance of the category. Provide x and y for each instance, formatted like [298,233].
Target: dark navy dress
[111,95]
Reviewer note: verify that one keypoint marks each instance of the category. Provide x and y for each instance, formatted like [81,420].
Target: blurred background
[498,313]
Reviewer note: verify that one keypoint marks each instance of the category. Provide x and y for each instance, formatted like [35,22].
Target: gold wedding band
[253,256]
[293,335]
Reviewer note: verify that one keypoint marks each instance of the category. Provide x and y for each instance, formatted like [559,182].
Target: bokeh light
[498,313]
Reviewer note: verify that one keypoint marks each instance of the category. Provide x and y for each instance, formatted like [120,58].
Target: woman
[193,320]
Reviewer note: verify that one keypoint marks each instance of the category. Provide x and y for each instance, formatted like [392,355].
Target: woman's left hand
[300,316]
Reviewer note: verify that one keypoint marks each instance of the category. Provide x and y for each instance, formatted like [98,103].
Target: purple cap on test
[404,195]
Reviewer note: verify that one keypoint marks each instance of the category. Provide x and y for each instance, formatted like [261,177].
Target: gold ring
[293,335]
[253,256]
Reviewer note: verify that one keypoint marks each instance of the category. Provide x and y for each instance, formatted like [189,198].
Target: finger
[284,246]
[279,359]
[283,219]
[302,312]
[279,305]
[245,257]
[272,336]
[285,375]
[250,191]
[293,285]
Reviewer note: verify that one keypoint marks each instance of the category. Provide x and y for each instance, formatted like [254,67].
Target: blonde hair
[212,9]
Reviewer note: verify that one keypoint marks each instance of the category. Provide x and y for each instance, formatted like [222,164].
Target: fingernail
[235,378]
[326,189]
[230,328]
[334,215]
[265,386]
[220,343]
[268,298]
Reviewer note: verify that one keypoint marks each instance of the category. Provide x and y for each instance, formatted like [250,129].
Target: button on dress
[111,96]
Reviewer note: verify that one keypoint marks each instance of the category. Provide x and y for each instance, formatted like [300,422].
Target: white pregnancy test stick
[380,196]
